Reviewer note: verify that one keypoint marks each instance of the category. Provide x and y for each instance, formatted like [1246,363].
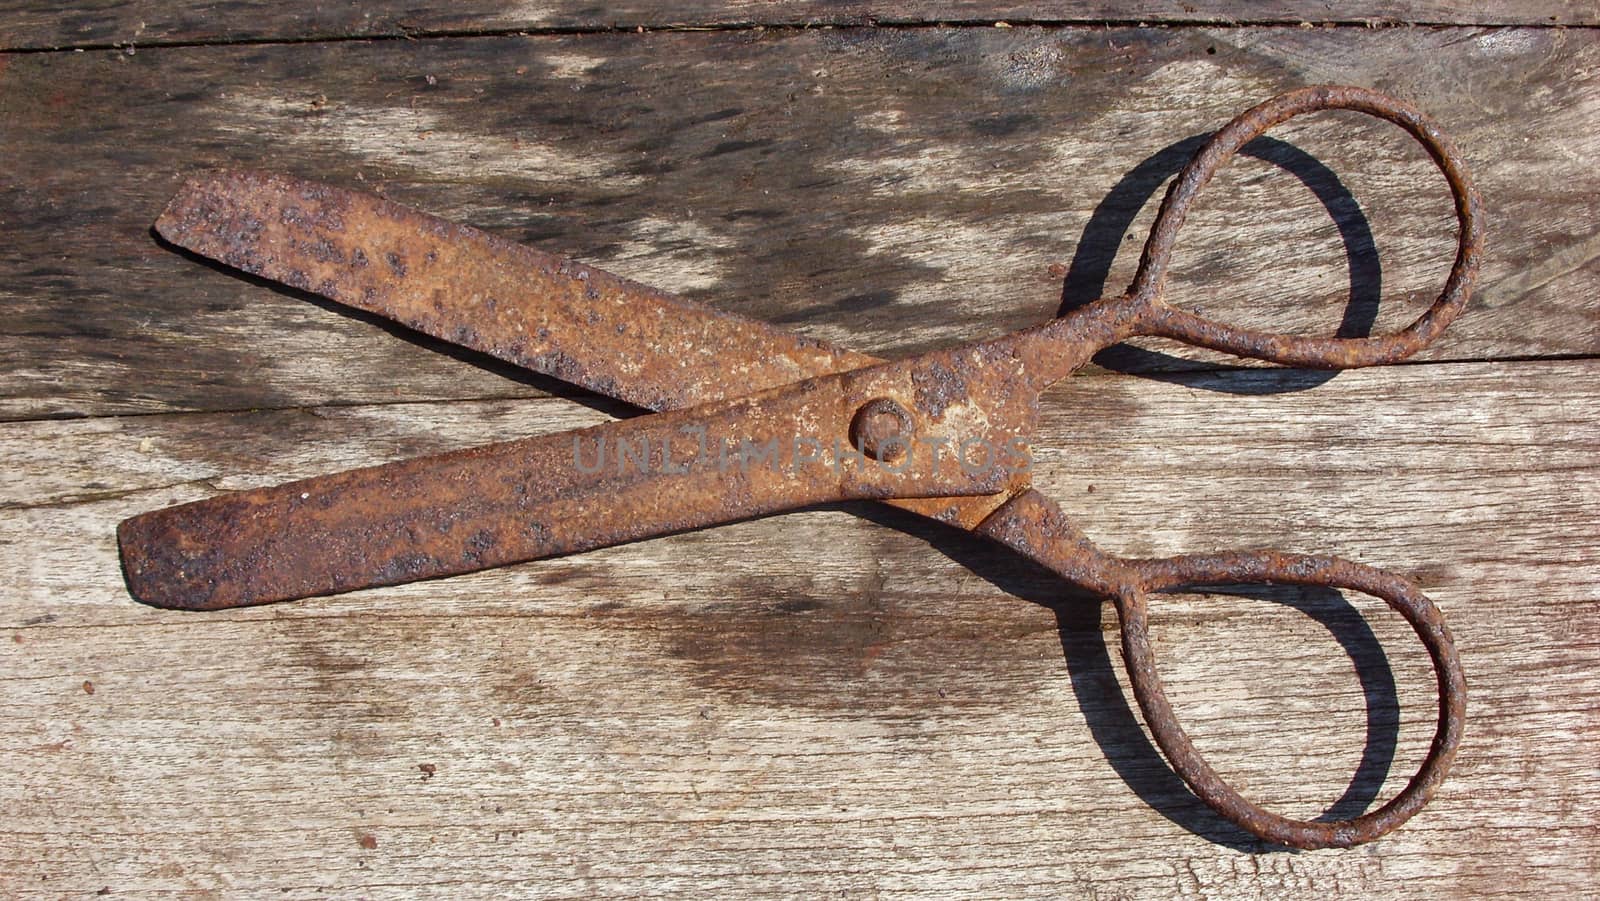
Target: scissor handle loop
[1161,319]
[1146,576]
[1035,527]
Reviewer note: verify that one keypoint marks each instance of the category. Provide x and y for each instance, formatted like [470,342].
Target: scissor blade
[433,516]
[553,494]
[542,312]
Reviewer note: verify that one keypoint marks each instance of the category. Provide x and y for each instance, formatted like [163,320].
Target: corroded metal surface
[874,430]
[558,494]
[552,315]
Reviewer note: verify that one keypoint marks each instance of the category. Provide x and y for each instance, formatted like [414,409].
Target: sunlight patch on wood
[419,139]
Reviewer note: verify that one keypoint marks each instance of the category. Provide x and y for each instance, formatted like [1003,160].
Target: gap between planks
[431,34]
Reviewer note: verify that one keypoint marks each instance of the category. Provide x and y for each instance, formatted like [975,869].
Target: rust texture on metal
[542,312]
[883,429]
[521,500]
[736,386]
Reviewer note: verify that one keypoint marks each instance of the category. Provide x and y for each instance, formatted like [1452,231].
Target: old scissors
[750,420]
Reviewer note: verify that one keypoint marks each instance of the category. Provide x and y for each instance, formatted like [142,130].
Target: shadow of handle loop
[1159,318]
[1141,577]
[1034,526]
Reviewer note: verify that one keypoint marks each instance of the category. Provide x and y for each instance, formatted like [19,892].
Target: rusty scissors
[750,420]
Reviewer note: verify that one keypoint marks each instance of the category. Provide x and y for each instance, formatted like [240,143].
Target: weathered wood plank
[887,189]
[816,703]
[134,22]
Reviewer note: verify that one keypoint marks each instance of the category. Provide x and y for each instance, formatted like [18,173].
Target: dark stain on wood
[892,190]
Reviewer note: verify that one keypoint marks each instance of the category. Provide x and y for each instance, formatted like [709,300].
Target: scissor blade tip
[133,547]
[211,195]
[154,568]
[200,202]
[175,217]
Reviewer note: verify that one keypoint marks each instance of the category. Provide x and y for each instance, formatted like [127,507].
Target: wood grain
[821,702]
[842,701]
[144,22]
[891,190]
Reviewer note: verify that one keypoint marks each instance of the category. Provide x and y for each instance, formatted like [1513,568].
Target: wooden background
[842,701]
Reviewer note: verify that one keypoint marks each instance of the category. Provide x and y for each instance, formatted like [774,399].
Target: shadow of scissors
[755,421]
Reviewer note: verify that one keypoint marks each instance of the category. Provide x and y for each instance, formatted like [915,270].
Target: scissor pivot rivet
[883,430]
